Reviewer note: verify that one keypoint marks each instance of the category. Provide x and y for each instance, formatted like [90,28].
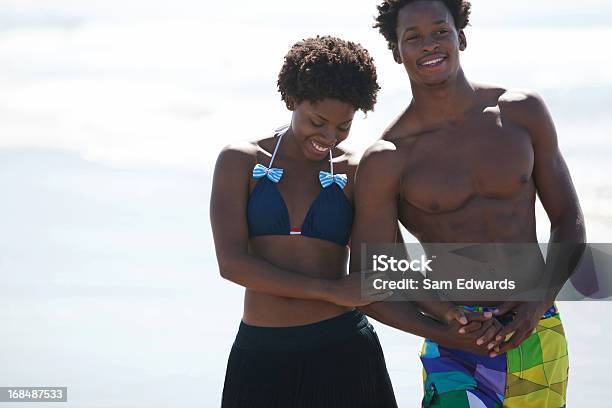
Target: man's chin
[432,80]
[435,82]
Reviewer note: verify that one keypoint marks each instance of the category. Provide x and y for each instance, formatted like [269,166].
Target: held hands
[475,332]
[491,336]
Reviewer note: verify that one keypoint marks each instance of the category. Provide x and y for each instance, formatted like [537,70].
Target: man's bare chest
[446,167]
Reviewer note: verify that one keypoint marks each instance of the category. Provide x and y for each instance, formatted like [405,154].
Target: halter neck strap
[281,132]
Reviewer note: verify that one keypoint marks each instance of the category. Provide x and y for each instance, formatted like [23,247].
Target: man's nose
[430,44]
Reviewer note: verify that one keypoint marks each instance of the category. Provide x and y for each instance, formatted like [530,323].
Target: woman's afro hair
[329,67]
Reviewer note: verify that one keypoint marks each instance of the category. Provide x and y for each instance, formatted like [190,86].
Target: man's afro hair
[386,21]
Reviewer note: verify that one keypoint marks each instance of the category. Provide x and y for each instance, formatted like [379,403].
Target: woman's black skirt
[336,363]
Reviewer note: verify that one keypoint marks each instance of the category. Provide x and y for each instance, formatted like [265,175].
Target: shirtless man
[463,163]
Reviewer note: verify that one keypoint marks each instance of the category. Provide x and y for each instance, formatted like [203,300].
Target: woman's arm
[228,208]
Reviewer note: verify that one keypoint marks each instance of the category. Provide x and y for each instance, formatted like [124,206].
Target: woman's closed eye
[316,124]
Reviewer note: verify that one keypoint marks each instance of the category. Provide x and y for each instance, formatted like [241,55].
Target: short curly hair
[329,67]
[386,21]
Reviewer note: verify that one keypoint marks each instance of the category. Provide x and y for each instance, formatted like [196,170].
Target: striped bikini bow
[327,179]
[274,174]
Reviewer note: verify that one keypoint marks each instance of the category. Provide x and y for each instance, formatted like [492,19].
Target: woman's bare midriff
[308,256]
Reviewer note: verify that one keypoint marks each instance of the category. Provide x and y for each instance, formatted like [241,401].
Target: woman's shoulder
[247,151]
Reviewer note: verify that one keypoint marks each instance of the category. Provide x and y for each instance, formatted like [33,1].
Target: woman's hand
[470,331]
[482,328]
[355,290]
[471,321]
[476,341]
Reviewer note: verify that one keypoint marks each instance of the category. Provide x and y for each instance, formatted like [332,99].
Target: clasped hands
[483,333]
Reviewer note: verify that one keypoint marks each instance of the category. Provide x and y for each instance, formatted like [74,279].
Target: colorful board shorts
[532,375]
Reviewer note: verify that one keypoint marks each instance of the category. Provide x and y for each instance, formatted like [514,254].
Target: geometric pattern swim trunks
[532,375]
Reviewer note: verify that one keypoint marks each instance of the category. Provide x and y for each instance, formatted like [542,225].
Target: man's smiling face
[428,42]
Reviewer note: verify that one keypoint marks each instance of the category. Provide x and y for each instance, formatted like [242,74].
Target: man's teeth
[433,62]
[319,148]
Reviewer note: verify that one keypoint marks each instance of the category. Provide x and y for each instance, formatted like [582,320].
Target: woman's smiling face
[318,127]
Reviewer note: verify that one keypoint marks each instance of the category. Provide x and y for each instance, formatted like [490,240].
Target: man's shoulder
[510,99]
[521,98]
[522,105]
[527,109]
[380,168]
[382,155]
[403,125]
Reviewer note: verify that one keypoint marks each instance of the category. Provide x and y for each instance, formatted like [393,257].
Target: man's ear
[396,54]
[462,41]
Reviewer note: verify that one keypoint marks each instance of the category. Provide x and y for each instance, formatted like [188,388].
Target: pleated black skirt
[336,363]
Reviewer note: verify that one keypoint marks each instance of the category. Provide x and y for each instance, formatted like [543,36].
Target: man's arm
[438,308]
[376,190]
[558,196]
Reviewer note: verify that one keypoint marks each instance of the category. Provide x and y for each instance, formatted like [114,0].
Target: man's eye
[345,128]
[315,124]
[412,37]
[443,31]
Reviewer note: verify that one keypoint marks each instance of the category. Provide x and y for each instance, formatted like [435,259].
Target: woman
[281,212]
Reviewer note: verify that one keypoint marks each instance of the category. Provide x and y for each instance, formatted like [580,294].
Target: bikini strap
[280,135]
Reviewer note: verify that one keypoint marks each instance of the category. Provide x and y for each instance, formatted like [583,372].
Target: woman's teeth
[319,147]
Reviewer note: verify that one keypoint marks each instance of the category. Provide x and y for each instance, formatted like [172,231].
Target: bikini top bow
[327,179]
[273,174]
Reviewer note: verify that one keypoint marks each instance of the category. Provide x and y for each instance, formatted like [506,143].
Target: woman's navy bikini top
[330,216]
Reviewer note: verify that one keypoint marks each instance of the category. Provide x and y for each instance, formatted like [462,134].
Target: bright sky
[170,82]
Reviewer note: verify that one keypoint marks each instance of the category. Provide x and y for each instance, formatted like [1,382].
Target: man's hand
[474,324]
[469,331]
[526,318]
[482,327]
[468,342]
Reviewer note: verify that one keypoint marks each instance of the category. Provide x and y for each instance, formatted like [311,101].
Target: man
[463,163]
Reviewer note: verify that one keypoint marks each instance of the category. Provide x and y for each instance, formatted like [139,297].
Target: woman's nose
[330,136]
